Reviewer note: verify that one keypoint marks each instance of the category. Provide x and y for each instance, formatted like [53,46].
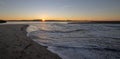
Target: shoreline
[14,44]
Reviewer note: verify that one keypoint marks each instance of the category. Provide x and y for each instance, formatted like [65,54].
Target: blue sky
[60,9]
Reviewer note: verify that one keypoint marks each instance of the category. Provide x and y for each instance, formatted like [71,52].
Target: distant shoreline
[71,21]
[97,22]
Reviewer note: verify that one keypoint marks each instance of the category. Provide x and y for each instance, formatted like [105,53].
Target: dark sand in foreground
[14,44]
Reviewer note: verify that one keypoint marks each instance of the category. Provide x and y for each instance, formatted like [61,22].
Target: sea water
[78,41]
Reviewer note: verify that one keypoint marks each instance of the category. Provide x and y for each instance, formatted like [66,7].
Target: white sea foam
[78,41]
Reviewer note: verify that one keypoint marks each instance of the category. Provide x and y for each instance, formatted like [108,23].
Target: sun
[43,20]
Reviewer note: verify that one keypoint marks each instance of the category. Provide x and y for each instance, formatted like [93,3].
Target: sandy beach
[14,44]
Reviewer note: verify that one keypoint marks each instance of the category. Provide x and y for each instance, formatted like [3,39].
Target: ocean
[78,41]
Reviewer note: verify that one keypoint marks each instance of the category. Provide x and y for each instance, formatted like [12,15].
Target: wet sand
[14,44]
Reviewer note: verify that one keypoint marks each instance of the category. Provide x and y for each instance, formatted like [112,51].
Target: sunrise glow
[60,9]
[43,20]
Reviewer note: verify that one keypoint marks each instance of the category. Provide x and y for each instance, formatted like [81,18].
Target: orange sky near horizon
[104,10]
[60,18]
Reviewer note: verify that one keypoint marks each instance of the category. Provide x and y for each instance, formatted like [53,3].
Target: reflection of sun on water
[44,27]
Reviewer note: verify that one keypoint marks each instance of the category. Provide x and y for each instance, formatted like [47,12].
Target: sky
[60,9]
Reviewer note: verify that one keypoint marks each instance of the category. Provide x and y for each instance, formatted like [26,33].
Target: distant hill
[106,22]
[2,21]
[71,21]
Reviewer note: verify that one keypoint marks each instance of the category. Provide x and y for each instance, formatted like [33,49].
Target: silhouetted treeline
[70,21]
[2,21]
[113,22]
